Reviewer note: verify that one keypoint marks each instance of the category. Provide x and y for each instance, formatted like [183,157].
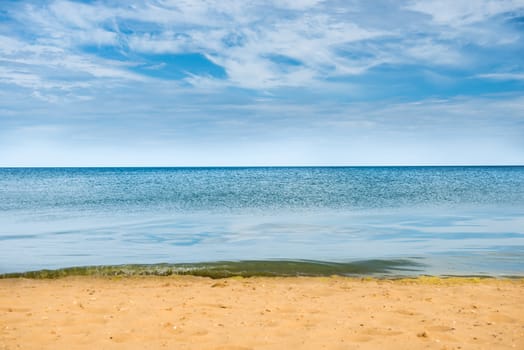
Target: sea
[267,221]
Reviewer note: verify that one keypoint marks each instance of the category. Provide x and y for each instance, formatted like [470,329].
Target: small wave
[250,268]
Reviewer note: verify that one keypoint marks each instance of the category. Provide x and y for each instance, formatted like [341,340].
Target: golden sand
[183,312]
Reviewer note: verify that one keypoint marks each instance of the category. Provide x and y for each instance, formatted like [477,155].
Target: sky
[255,83]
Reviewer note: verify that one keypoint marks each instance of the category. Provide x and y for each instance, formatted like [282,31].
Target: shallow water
[436,220]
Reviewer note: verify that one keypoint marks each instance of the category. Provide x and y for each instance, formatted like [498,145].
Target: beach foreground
[186,312]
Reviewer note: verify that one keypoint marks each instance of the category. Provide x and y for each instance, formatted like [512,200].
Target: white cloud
[246,39]
[66,24]
[207,27]
[38,66]
[10,46]
[430,52]
[463,12]
[166,42]
[78,15]
[245,51]
[297,4]
[502,76]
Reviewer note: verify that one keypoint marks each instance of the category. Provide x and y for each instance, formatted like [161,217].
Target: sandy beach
[184,312]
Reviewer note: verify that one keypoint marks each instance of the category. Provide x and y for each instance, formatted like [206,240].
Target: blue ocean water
[435,220]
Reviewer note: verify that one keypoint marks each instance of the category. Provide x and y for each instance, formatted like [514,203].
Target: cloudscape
[287,82]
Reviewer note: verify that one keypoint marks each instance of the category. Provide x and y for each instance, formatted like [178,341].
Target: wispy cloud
[315,40]
[456,13]
[502,76]
[279,72]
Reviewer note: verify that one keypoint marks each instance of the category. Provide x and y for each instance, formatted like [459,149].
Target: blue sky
[288,82]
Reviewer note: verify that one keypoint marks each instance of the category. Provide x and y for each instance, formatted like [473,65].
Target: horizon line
[259,166]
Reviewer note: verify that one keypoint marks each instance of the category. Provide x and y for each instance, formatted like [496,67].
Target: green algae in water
[223,269]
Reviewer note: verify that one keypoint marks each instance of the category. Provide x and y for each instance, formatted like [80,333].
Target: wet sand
[183,312]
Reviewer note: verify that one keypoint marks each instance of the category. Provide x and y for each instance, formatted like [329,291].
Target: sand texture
[260,313]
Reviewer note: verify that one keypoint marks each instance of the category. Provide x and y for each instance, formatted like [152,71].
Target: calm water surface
[440,220]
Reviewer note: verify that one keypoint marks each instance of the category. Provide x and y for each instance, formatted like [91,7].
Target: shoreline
[189,312]
[374,268]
